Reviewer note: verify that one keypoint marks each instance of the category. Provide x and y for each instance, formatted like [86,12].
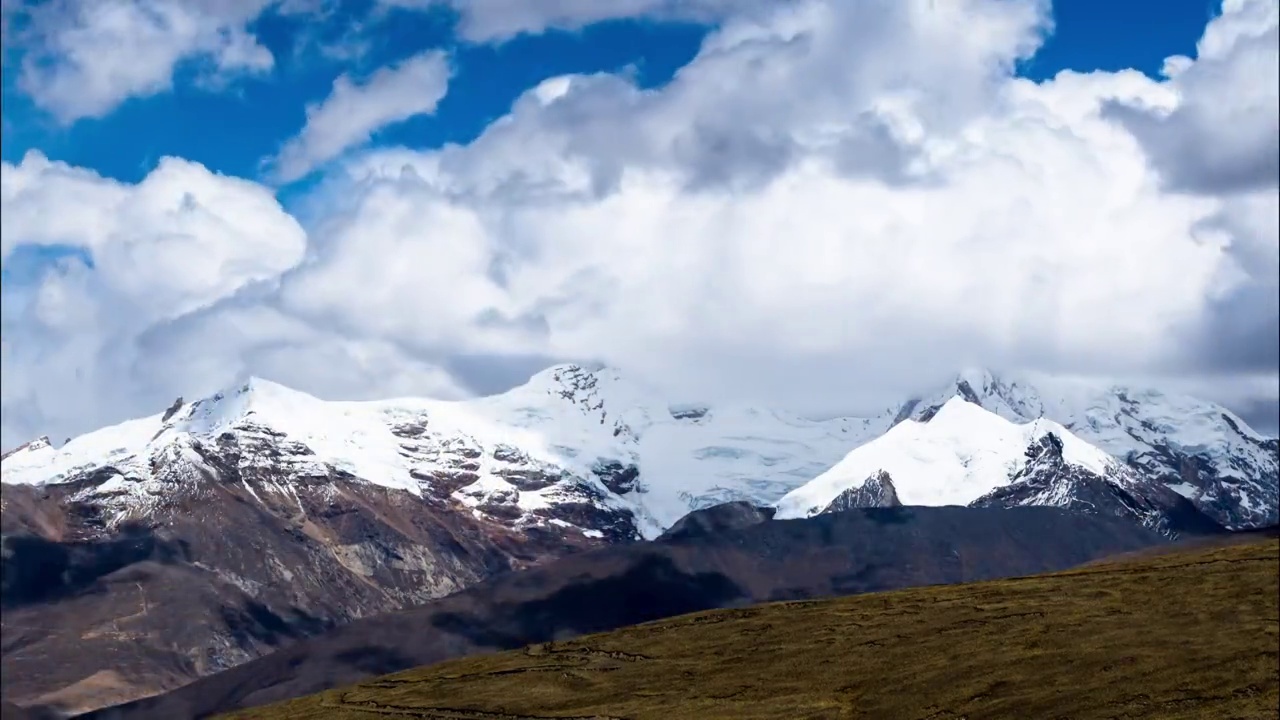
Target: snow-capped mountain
[1196,448]
[963,454]
[593,452]
[573,448]
[267,514]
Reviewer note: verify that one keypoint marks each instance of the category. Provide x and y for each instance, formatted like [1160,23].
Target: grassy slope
[1186,635]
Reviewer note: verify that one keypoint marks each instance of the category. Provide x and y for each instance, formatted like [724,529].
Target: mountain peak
[1012,397]
[574,375]
[590,386]
[32,446]
[977,378]
[959,407]
[957,455]
[254,396]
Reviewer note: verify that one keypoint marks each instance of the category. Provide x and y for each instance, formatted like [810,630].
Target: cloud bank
[832,204]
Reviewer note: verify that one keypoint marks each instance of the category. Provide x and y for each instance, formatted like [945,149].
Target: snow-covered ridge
[334,432]
[1197,448]
[572,438]
[569,435]
[959,454]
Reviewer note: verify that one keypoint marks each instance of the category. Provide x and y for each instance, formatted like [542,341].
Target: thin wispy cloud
[356,109]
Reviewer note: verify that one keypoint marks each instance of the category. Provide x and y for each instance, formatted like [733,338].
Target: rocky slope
[1048,477]
[1195,448]
[97,611]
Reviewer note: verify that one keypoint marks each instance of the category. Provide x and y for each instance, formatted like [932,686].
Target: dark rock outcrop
[617,477]
[172,410]
[1048,479]
[876,491]
[718,519]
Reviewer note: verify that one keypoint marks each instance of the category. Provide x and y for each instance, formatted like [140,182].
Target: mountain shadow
[835,554]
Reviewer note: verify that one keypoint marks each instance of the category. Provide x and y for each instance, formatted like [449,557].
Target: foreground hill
[1191,634]
[730,558]
[9,711]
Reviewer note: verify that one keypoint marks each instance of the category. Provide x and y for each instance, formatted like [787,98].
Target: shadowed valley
[727,556]
[1187,634]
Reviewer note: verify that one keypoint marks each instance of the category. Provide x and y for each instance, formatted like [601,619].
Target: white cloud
[832,204]
[178,242]
[82,58]
[353,111]
[1224,135]
[1222,139]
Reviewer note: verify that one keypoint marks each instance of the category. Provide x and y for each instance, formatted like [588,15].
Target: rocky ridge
[1195,448]
[964,454]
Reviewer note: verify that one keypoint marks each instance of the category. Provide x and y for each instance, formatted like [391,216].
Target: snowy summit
[595,451]
[955,457]
[569,436]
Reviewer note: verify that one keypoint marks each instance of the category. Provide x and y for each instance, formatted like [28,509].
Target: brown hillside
[1187,635]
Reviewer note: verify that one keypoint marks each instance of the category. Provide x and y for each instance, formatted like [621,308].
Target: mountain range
[571,437]
[268,515]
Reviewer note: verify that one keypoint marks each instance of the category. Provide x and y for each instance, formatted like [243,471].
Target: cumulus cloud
[1224,135]
[355,110]
[1222,139]
[145,256]
[1239,329]
[82,58]
[832,204]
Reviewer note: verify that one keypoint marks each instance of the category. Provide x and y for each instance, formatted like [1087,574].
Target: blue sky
[230,132]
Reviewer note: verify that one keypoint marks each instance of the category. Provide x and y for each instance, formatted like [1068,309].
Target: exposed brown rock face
[223,570]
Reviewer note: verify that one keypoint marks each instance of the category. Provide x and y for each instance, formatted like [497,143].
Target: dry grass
[1188,635]
[101,688]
